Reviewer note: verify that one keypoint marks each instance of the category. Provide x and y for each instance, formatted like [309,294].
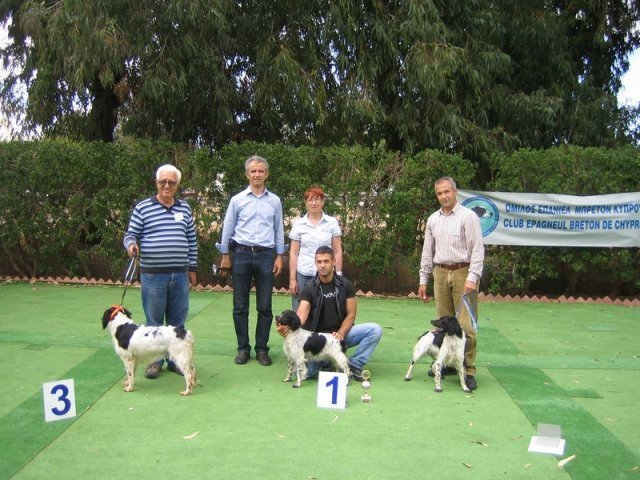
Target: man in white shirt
[453,251]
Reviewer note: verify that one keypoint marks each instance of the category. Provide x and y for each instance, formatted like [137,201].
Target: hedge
[65,205]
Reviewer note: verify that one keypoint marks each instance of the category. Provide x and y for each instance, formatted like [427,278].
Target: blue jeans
[165,298]
[302,281]
[365,336]
[257,266]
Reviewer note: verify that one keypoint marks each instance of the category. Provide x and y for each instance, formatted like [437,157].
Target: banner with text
[542,219]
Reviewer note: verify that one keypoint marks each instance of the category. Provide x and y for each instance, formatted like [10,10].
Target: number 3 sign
[59,400]
[332,389]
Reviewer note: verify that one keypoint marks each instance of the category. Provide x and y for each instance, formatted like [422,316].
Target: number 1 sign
[332,390]
[59,400]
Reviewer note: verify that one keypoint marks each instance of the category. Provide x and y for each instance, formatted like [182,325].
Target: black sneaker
[356,373]
[470,380]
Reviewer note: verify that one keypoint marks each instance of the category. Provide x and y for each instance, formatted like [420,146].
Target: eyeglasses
[171,183]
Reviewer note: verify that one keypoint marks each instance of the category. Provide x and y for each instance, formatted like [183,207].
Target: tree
[157,68]
[462,76]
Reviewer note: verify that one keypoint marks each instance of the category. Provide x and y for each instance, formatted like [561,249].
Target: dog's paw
[407,379]
[127,388]
[438,389]
[185,393]
[466,390]
[296,385]
[286,379]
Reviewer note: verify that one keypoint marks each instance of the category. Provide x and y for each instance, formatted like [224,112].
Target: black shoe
[173,368]
[445,371]
[327,367]
[153,370]
[263,359]
[242,357]
[356,373]
[470,380]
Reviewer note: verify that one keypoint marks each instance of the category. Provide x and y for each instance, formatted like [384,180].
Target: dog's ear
[295,320]
[452,326]
[106,317]
[457,327]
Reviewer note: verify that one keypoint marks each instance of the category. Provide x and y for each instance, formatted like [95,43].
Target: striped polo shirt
[166,236]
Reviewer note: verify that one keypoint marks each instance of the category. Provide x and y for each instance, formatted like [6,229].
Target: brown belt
[452,266]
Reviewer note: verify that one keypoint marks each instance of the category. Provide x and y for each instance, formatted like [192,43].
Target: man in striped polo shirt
[453,251]
[162,231]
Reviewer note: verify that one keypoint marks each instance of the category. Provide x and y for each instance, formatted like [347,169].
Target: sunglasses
[171,183]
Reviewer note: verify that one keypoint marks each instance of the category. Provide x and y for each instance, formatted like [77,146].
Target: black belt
[252,248]
[452,266]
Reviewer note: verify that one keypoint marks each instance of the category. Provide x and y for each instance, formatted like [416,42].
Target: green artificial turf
[537,363]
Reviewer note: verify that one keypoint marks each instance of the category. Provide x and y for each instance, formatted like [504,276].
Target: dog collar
[116,309]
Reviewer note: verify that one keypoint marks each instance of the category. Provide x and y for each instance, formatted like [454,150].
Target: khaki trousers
[448,287]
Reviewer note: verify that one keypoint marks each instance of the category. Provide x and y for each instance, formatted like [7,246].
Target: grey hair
[169,168]
[255,158]
[447,179]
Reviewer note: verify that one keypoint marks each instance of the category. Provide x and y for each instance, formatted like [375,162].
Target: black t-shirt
[329,320]
[331,316]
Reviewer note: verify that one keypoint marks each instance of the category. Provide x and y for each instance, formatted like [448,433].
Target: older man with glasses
[162,232]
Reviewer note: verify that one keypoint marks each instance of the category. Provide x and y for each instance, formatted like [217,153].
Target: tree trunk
[104,113]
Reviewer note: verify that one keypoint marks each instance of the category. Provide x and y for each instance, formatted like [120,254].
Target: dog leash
[467,304]
[128,276]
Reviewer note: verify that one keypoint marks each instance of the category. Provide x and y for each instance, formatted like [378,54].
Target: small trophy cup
[366,385]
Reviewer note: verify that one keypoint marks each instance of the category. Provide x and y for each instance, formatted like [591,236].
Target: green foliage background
[64,207]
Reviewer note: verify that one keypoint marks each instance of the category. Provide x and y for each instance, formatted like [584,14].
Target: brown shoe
[153,370]
[263,358]
[242,357]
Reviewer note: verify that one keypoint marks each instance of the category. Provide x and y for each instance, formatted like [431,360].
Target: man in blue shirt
[162,231]
[253,234]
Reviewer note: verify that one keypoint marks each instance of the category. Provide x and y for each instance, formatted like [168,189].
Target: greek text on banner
[542,219]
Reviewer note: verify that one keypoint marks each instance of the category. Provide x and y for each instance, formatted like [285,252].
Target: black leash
[128,276]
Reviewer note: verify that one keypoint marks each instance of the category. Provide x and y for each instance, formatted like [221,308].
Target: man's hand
[133,251]
[469,287]
[192,279]
[283,330]
[422,293]
[225,266]
[277,265]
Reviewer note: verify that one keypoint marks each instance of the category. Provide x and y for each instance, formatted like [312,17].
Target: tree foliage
[155,68]
[462,76]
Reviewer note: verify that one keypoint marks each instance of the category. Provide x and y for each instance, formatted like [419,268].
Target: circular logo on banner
[487,213]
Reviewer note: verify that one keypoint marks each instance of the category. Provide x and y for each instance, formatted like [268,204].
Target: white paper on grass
[548,440]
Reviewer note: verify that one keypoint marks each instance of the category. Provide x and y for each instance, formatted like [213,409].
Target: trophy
[366,385]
